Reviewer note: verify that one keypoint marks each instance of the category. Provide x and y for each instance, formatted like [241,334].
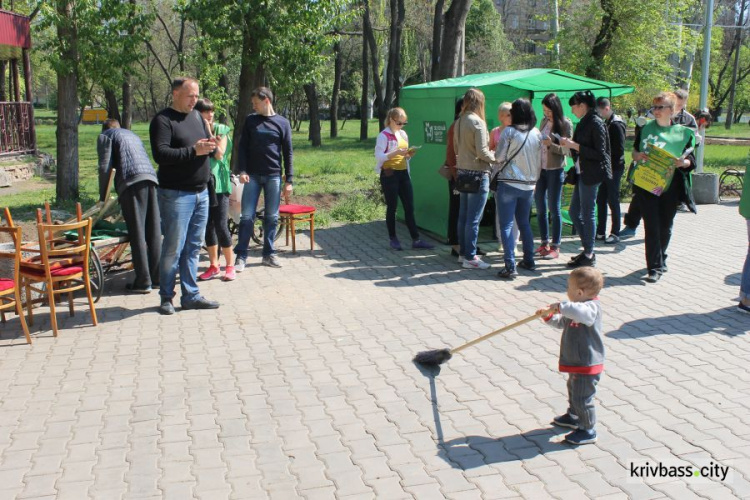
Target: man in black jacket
[609,191]
[135,183]
[181,145]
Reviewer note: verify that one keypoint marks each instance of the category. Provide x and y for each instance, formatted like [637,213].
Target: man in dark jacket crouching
[135,183]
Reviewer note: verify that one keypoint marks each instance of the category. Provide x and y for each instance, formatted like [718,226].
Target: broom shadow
[471,452]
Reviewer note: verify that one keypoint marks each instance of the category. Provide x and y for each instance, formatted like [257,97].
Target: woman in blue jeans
[550,184]
[518,157]
[473,161]
[590,150]
[744,304]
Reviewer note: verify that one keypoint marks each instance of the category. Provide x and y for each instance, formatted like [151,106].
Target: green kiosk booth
[430,109]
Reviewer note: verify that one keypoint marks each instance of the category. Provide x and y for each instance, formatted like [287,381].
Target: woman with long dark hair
[590,150]
[549,187]
[518,157]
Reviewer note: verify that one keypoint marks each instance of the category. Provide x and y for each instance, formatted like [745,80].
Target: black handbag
[571,176]
[469,181]
[494,177]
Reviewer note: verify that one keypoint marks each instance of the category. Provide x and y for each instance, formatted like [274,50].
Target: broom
[440,356]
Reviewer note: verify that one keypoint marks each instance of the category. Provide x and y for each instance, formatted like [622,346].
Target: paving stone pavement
[302,386]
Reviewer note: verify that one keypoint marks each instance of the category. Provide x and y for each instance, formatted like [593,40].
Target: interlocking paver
[260,400]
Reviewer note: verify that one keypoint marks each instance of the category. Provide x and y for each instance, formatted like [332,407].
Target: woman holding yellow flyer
[662,179]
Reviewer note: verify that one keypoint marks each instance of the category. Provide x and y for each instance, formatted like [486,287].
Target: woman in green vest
[217,232]
[659,209]
[744,304]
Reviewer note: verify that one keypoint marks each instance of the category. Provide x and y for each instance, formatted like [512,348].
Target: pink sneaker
[542,250]
[553,253]
[210,273]
[229,274]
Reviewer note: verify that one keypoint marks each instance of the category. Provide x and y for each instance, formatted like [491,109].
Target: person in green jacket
[744,304]
[217,231]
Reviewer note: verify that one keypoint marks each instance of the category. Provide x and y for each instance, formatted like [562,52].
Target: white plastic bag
[235,199]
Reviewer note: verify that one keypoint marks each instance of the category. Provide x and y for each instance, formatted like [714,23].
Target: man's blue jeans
[515,204]
[183,223]
[609,195]
[583,213]
[469,215]
[271,186]
[549,188]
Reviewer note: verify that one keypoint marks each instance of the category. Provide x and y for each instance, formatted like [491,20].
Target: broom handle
[492,334]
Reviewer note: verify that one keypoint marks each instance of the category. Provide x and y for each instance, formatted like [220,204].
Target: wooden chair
[292,214]
[63,268]
[10,288]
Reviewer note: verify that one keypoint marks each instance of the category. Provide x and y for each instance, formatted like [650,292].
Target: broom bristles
[434,357]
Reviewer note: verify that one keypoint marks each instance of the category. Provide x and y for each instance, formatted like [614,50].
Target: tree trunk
[113,109]
[373,49]
[396,68]
[3,90]
[67,104]
[437,34]
[454,28]
[337,64]
[603,40]
[733,88]
[251,77]
[311,92]
[224,84]
[365,102]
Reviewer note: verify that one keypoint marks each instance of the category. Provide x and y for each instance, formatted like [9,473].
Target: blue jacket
[122,150]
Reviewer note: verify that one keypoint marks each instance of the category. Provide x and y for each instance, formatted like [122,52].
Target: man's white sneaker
[477,263]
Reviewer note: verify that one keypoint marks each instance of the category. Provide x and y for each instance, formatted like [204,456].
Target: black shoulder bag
[494,179]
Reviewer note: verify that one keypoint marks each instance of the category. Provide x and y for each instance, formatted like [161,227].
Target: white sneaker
[239,265]
[461,259]
[477,263]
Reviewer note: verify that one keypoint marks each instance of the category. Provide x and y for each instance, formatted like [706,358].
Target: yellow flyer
[656,173]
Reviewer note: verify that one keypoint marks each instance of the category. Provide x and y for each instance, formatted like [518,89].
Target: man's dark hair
[603,102]
[179,82]
[204,105]
[110,123]
[263,93]
[522,115]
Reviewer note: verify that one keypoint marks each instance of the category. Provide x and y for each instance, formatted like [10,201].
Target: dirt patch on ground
[321,201]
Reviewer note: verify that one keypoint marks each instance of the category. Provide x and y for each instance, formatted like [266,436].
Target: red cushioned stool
[292,214]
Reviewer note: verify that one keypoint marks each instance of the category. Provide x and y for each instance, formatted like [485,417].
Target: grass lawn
[337,177]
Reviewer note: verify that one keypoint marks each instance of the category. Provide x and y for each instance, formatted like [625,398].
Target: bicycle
[257,235]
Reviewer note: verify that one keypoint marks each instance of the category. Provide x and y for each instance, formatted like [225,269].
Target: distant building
[527,25]
[16,112]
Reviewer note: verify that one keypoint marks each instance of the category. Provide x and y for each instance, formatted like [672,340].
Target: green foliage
[642,43]
[108,37]
[290,39]
[487,47]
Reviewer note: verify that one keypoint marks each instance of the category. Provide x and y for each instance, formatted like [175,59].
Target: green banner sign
[435,133]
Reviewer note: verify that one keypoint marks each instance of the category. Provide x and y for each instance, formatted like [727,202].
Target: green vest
[745,198]
[221,169]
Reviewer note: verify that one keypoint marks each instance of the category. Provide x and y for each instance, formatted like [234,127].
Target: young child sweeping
[581,350]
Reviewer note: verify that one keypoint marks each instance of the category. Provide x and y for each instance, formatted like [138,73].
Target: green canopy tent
[430,109]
